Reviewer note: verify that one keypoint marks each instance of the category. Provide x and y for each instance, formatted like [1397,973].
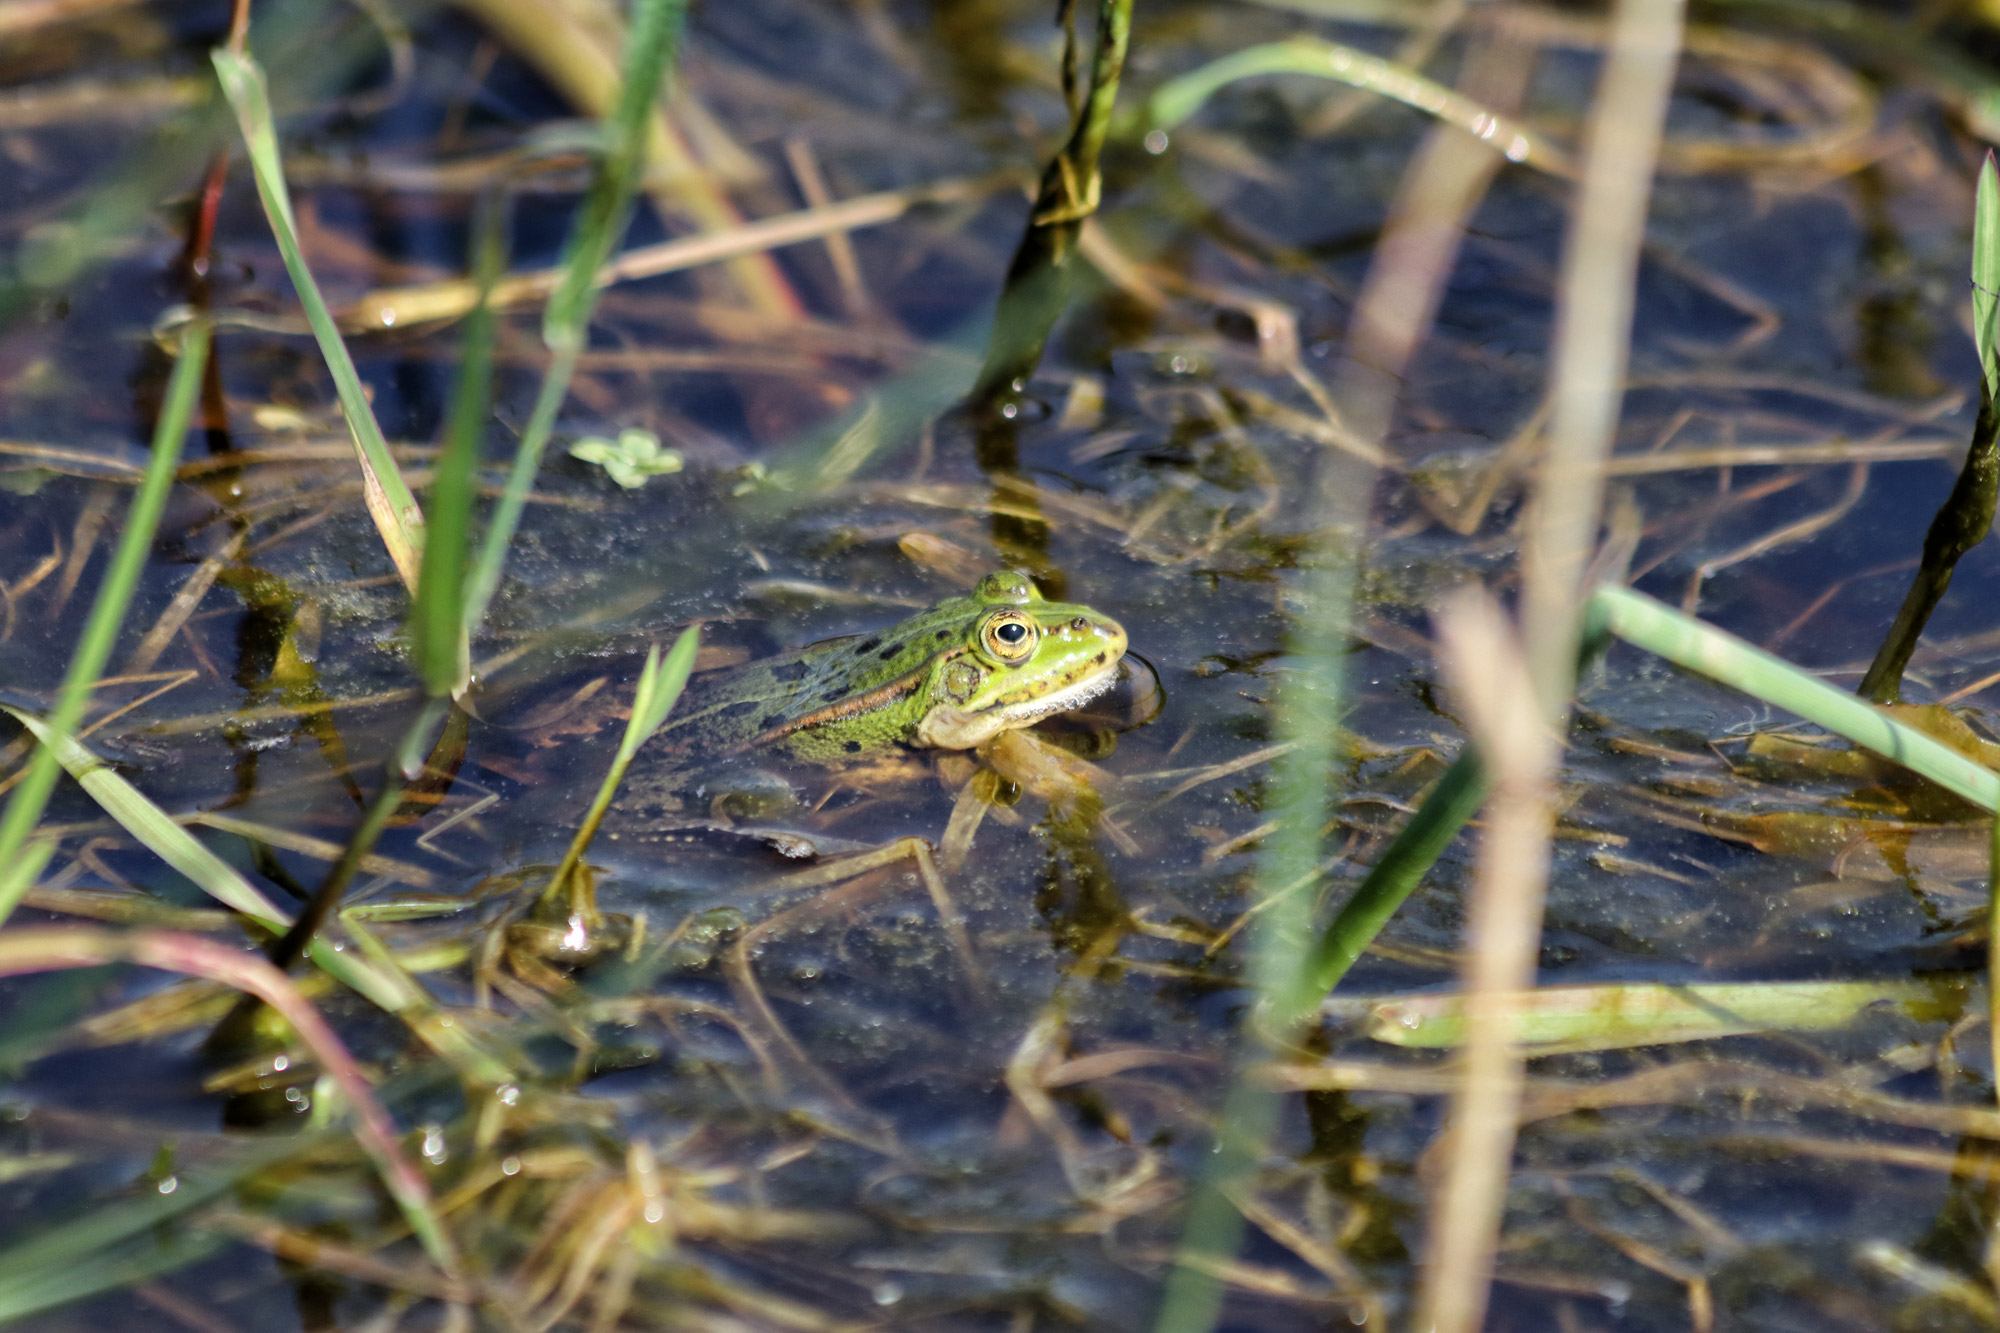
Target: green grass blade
[1178,98]
[1993,942]
[1986,273]
[20,864]
[1687,642]
[1620,1015]
[152,826]
[660,686]
[49,948]
[390,503]
[439,632]
[1398,871]
[607,208]
[127,1240]
[653,40]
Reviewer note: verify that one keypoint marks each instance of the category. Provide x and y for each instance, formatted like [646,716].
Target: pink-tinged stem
[52,948]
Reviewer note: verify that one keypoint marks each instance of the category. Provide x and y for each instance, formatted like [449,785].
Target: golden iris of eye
[1010,638]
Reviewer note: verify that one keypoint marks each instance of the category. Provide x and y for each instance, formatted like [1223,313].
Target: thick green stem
[1038,281]
[1962,522]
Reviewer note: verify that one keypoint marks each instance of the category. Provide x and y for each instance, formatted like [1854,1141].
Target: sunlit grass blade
[1986,272]
[21,862]
[1993,946]
[43,949]
[660,686]
[390,503]
[1180,97]
[600,224]
[1619,1015]
[1702,648]
[152,826]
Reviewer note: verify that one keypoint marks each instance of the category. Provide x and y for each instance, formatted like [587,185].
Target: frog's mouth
[948,727]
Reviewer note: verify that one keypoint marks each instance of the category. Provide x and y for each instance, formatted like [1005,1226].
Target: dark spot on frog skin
[891,651]
[943,634]
[771,721]
[852,747]
[868,645]
[788,672]
[740,707]
[1099,659]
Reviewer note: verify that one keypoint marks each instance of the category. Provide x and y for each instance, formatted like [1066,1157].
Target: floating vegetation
[1259,682]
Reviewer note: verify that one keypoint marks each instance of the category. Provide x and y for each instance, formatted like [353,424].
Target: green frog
[948,678]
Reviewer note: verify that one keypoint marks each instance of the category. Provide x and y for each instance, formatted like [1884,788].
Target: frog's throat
[947,727]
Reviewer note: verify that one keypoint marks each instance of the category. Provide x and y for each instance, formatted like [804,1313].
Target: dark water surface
[840,1122]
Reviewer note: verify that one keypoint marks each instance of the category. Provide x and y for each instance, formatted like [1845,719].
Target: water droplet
[510,1166]
[279,1064]
[656,1212]
[508,1094]
[388,317]
[170,1184]
[888,1293]
[1155,142]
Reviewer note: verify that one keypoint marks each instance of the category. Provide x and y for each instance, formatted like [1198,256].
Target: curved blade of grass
[1702,648]
[44,949]
[660,686]
[606,211]
[1986,272]
[152,826]
[21,862]
[390,503]
[1178,98]
[1621,1015]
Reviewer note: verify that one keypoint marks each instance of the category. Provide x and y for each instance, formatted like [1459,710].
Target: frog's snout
[1084,630]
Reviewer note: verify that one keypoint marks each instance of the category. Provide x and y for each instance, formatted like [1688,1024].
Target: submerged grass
[21,856]
[594,1224]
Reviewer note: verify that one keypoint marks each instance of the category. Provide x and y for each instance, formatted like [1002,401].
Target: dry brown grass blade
[575,44]
[1487,671]
[181,607]
[429,302]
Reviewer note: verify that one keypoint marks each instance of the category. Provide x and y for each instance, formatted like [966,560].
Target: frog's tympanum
[947,678]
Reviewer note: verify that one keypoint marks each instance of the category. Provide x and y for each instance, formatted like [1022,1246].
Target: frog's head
[1020,659]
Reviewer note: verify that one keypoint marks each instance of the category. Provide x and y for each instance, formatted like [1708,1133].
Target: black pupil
[1012,631]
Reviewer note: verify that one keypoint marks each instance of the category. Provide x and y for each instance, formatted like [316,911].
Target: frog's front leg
[1075,788]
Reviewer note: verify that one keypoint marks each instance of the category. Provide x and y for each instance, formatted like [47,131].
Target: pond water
[782,1099]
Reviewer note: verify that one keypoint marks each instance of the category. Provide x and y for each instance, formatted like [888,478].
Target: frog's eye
[1010,636]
